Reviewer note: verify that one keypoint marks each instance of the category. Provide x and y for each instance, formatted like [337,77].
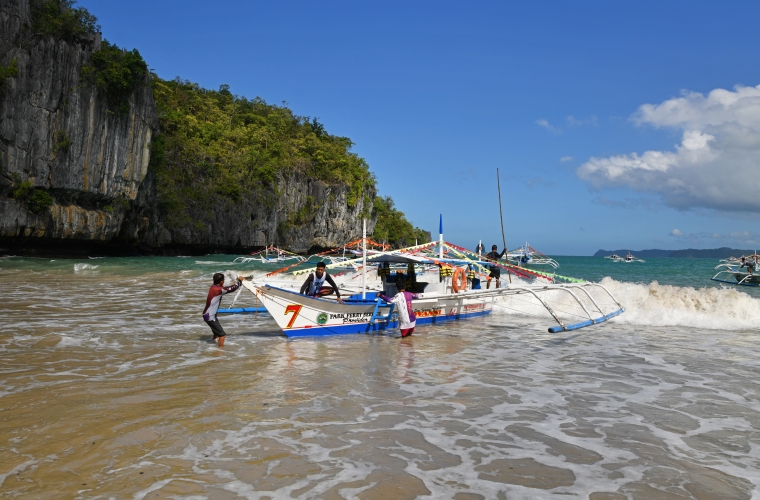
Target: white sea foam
[666,305]
[84,267]
[67,341]
[647,305]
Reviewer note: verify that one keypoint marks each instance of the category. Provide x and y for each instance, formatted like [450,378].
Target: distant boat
[631,258]
[527,255]
[628,258]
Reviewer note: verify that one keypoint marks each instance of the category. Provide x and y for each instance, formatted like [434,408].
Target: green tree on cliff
[393,227]
[216,147]
[62,20]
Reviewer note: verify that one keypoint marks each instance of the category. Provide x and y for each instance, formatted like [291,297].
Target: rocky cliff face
[58,135]
[325,220]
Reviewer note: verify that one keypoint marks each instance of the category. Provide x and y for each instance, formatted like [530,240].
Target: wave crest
[667,305]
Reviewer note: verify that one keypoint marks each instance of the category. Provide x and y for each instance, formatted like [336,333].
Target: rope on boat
[320,254]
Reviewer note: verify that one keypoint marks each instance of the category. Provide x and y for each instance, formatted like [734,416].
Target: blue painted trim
[242,310]
[362,327]
[578,326]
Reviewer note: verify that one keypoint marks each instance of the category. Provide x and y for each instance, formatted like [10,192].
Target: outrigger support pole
[608,293]
[551,311]
[580,304]
[580,287]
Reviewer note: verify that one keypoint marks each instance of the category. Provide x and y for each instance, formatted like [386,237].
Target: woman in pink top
[403,300]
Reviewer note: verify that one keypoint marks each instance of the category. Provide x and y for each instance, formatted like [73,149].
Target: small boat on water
[529,256]
[631,258]
[270,255]
[735,268]
[451,291]
[742,278]
[628,258]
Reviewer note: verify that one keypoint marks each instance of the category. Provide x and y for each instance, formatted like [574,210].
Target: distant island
[690,253]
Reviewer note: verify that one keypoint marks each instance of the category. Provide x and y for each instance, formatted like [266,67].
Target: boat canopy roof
[405,259]
[399,259]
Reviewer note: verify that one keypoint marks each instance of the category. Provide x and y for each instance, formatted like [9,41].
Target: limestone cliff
[60,138]
[58,134]
[254,221]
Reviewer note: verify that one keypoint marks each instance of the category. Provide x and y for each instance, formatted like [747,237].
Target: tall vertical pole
[364,258]
[501,215]
[440,237]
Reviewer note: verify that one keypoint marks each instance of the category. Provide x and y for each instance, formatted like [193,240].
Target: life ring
[459,274]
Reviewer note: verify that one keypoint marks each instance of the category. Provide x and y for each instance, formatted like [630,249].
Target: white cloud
[574,122]
[548,126]
[566,158]
[677,233]
[717,163]
[741,235]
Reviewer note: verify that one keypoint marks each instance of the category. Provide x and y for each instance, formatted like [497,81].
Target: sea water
[111,388]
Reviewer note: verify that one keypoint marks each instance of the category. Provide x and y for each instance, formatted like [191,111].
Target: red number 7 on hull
[295,309]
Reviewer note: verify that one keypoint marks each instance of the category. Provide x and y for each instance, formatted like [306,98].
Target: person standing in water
[748,264]
[314,286]
[213,300]
[403,300]
[494,255]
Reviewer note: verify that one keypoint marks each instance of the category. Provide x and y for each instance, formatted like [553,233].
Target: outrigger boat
[628,258]
[529,256]
[631,258]
[277,255]
[451,292]
[743,278]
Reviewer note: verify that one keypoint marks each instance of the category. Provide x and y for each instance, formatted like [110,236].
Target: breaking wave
[666,305]
[84,267]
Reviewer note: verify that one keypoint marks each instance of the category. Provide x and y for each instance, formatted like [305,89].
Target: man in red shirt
[213,300]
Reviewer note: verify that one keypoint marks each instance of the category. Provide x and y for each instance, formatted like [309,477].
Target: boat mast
[440,237]
[501,216]
[364,259]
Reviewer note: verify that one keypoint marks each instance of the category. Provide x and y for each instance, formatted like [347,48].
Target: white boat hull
[298,315]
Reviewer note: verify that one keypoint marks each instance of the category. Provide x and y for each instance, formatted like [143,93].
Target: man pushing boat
[213,300]
[314,286]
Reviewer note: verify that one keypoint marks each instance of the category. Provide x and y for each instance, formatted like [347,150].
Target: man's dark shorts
[495,272]
[216,327]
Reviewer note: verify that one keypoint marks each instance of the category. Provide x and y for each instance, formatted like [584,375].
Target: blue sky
[614,124]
